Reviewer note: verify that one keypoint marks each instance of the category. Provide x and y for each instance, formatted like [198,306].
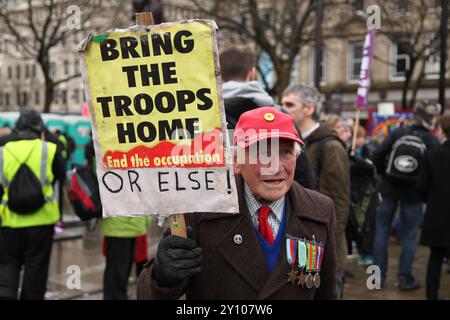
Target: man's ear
[251,75]
[310,109]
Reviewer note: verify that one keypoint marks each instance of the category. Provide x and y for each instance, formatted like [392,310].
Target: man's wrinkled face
[269,180]
[292,104]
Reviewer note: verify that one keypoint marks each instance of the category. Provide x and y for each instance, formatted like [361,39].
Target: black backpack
[25,194]
[364,198]
[404,160]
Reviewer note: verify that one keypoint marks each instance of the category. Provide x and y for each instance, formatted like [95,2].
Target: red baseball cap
[264,123]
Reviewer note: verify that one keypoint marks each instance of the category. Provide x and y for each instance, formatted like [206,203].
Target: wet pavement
[356,287]
[79,247]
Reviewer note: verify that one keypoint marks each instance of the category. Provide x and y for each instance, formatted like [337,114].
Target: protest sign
[158,120]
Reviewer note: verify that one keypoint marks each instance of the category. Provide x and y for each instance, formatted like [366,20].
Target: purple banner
[366,68]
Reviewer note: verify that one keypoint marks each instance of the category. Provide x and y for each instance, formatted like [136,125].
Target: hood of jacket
[29,125]
[240,97]
[252,91]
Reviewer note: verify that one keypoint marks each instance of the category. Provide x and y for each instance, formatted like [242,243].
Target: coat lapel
[246,258]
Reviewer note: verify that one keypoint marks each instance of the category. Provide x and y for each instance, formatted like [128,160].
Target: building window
[401,8]
[295,76]
[37,98]
[354,60]
[64,96]
[75,37]
[1,99]
[322,65]
[53,69]
[434,3]
[18,71]
[56,95]
[25,98]
[9,72]
[76,95]
[400,59]
[357,5]
[266,17]
[33,71]
[433,63]
[66,67]
[76,66]
[7,99]
[27,71]
[19,98]
[246,20]
[432,66]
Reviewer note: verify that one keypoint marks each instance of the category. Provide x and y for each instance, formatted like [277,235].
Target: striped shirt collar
[253,205]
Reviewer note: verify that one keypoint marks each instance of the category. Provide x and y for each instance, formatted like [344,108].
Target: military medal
[301,262]
[319,255]
[309,278]
[316,279]
[301,279]
[291,245]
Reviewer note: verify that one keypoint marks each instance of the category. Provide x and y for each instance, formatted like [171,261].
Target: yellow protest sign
[154,96]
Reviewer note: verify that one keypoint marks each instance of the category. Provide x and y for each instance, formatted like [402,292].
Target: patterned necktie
[264,226]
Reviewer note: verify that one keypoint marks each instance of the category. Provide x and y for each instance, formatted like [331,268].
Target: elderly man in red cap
[281,245]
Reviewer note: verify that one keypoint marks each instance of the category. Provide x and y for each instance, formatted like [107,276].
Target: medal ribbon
[318,250]
[310,255]
[322,250]
[301,254]
[290,251]
[314,254]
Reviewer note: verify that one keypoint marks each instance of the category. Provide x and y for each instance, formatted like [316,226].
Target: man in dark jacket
[434,184]
[393,195]
[242,93]
[245,256]
[332,169]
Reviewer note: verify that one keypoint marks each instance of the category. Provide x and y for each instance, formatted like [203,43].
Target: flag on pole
[366,68]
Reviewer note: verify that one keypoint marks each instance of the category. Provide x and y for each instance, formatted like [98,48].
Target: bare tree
[38,26]
[278,27]
[415,26]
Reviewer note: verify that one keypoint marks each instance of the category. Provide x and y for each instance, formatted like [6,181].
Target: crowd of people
[329,190]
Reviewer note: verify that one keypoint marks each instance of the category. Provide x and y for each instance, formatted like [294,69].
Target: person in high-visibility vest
[125,242]
[26,239]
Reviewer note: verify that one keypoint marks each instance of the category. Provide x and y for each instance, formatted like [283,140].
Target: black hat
[30,119]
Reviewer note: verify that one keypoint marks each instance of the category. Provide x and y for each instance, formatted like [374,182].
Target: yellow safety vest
[40,162]
[64,150]
[125,227]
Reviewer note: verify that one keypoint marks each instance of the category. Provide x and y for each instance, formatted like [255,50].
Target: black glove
[177,258]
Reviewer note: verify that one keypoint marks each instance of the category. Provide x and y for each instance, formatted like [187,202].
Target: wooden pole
[176,221]
[355,130]
[144,18]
